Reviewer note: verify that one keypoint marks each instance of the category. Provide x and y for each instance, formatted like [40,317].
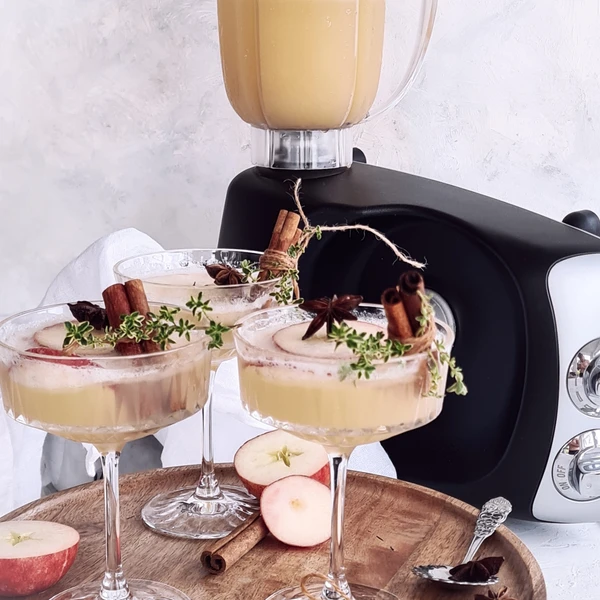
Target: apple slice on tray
[290,339]
[34,556]
[297,511]
[278,454]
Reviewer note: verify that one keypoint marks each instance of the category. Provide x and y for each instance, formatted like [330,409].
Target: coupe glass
[306,396]
[105,400]
[210,510]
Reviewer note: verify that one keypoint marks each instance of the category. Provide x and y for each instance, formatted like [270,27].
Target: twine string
[309,231]
[323,578]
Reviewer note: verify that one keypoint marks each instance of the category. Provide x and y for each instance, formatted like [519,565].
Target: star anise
[328,310]
[92,313]
[224,274]
[477,570]
[501,594]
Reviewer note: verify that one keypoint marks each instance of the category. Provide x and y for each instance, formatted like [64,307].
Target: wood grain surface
[390,527]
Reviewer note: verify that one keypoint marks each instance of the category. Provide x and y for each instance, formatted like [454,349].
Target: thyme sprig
[284,292]
[458,387]
[158,327]
[375,348]
[368,349]
[250,271]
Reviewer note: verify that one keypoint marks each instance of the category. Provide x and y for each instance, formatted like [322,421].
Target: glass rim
[99,358]
[265,283]
[237,333]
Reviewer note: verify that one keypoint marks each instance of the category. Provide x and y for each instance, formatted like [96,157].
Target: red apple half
[297,511]
[34,555]
[278,454]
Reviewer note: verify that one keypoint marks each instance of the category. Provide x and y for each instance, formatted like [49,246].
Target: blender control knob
[586,473]
[583,379]
[576,468]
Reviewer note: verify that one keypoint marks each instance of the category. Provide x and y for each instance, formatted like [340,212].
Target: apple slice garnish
[53,337]
[297,511]
[289,339]
[278,454]
[69,361]
[34,555]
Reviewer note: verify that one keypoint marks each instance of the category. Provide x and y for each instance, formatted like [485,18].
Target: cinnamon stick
[288,232]
[139,303]
[117,305]
[285,233]
[398,322]
[296,237]
[278,228]
[224,553]
[410,286]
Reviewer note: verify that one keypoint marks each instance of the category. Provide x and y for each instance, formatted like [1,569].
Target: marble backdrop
[113,114]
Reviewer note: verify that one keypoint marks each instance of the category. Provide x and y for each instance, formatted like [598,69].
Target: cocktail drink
[321,391]
[104,398]
[210,510]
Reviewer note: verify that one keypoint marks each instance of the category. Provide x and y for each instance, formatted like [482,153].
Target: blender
[517,288]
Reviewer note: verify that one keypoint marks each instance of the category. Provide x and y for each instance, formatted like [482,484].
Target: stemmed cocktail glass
[210,510]
[105,399]
[295,385]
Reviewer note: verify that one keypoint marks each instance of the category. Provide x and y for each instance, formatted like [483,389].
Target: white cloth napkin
[21,446]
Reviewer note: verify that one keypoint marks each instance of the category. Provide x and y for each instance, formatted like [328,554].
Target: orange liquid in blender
[301,64]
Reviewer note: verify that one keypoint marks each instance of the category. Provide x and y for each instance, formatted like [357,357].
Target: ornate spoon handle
[493,513]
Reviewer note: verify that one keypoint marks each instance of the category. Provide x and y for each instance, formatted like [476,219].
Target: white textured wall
[112,114]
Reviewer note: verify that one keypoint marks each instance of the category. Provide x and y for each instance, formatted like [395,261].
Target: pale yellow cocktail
[308,388]
[209,510]
[104,391]
[104,399]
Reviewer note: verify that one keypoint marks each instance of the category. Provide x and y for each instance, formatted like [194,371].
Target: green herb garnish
[284,292]
[158,327]
[368,349]
[371,348]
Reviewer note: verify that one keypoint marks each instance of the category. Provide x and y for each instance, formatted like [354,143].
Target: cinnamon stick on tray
[139,303]
[117,304]
[224,553]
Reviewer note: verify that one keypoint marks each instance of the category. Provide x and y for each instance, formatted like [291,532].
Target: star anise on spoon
[477,570]
[224,274]
[330,310]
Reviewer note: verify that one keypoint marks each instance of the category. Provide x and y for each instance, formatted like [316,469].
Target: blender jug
[303,73]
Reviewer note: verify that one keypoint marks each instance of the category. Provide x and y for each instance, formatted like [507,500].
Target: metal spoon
[493,513]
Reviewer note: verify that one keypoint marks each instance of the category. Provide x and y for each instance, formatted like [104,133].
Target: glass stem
[208,485]
[114,584]
[338,463]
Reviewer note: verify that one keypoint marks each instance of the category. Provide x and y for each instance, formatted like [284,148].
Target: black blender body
[489,261]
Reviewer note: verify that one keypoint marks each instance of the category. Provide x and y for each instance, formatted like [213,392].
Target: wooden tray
[390,526]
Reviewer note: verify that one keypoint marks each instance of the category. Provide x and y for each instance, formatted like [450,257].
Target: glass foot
[180,514]
[359,592]
[138,590]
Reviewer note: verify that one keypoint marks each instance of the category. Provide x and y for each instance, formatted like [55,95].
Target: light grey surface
[113,114]
[569,556]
